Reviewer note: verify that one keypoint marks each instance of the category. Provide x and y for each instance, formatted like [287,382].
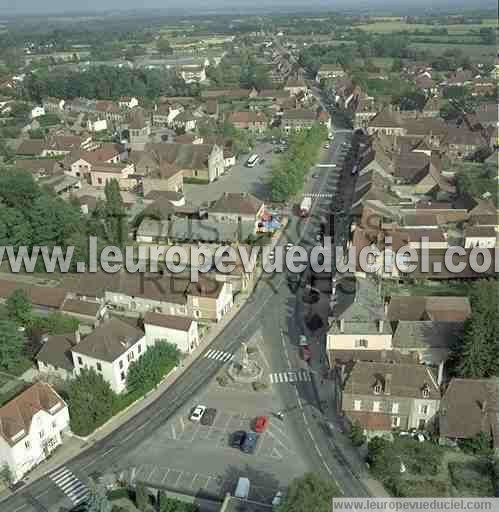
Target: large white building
[31,427]
[178,330]
[110,350]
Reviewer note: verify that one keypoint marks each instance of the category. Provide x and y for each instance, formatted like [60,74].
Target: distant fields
[473,50]
[387,25]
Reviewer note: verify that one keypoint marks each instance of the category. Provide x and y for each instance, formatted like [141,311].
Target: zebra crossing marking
[73,488]
[320,196]
[290,377]
[219,355]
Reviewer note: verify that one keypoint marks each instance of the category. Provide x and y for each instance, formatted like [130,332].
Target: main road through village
[274,311]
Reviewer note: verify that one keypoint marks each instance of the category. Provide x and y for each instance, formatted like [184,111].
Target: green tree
[163,46]
[148,371]
[357,435]
[97,500]
[141,497]
[6,475]
[167,504]
[115,214]
[477,355]
[91,402]
[19,307]
[308,493]
[12,346]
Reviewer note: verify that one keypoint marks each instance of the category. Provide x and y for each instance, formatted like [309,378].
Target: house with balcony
[32,426]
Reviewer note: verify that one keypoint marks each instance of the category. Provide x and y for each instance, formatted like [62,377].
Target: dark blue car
[249,443]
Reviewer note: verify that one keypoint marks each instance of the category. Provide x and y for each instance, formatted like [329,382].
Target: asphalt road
[272,311]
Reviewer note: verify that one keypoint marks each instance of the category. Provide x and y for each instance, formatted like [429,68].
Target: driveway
[236,179]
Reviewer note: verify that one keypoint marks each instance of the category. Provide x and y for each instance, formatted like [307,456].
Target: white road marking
[73,488]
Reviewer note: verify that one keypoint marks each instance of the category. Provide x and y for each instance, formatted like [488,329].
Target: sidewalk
[326,390]
[74,445]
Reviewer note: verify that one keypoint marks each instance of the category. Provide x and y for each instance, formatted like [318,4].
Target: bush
[259,386]
[222,380]
[357,435]
[118,494]
[148,371]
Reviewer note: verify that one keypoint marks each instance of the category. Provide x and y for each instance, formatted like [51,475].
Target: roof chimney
[342,325]
[381,324]
[388,384]
[77,336]
[440,377]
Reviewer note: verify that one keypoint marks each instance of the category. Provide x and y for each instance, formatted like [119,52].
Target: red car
[306,354]
[261,424]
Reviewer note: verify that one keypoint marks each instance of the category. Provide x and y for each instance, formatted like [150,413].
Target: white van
[242,488]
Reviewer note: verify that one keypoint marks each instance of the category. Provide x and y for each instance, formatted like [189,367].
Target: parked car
[326,146]
[261,424]
[242,488]
[209,417]
[237,438]
[277,500]
[197,413]
[249,443]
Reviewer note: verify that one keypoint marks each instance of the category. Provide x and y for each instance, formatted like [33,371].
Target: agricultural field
[388,25]
[476,51]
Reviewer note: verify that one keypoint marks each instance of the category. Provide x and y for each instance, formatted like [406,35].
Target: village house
[53,105]
[329,71]
[295,87]
[164,113]
[387,122]
[109,350]
[301,119]
[193,73]
[185,121]
[469,407]
[32,426]
[229,94]
[128,102]
[55,359]
[255,122]
[480,236]
[232,207]
[383,397]
[109,109]
[180,331]
[461,142]
[164,161]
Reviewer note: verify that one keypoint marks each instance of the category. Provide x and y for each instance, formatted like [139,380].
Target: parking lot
[189,456]
[237,179]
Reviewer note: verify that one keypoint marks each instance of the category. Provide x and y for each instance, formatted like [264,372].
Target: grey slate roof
[426,334]
[195,230]
[56,351]
[110,340]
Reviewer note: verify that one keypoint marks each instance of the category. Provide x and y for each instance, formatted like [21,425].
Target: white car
[271,255]
[277,499]
[326,146]
[197,413]
[330,136]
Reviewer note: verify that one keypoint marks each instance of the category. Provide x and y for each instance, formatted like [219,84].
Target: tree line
[290,170]
[105,82]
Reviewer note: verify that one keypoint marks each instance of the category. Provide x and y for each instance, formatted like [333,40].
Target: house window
[378,388]
[426,392]
[54,425]
[130,355]
[80,361]
[395,408]
[421,424]
[395,421]
[42,434]
[375,406]
[122,375]
[357,404]
[99,367]
[139,349]
[361,343]
[423,409]
[99,181]
[27,444]
[121,365]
